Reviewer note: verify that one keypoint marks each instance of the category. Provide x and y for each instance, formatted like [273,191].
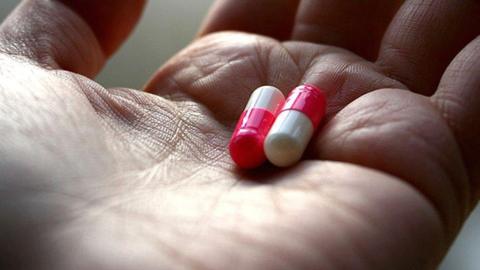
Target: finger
[74,35]
[458,99]
[273,18]
[379,131]
[354,25]
[423,39]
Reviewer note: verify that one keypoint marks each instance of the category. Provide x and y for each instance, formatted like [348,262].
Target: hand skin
[95,178]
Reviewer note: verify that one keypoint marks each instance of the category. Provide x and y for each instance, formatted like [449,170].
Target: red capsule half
[246,145]
[309,100]
[295,125]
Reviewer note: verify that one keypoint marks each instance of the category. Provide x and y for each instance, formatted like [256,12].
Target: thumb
[75,35]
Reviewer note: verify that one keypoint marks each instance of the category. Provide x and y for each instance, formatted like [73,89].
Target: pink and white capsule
[294,127]
[246,145]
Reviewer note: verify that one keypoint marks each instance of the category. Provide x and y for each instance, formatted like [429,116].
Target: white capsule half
[266,97]
[288,138]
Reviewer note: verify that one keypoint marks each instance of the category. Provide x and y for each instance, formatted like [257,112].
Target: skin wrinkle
[358,214]
[458,208]
[199,169]
[360,125]
[131,125]
[177,134]
[269,18]
[461,181]
[321,22]
[121,107]
[148,145]
[207,218]
[290,79]
[391,49]
[103,101]
[201,79]
[442,102]
[181,198]
[450,105]
[271,252]
[340,90]
[340,83]
[330,215]
[206,70]
[366,124]
[423,32]
[263,66]
[44,144]
[457,115]
[292,59]
[311,62]
[17,49]
[117,204]
[334,186]
[243,239]
[52,51]
[164,249]
[193,141]
[148,227]
[355,214]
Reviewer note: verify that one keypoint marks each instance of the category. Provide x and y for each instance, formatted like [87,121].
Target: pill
[295,125]
[246,144]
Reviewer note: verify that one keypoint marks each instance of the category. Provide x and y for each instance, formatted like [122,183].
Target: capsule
[295,125]
[246,145]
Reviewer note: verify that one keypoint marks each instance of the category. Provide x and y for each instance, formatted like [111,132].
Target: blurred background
[167,27]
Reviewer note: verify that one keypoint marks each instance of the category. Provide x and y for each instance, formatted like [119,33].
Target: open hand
[95,178]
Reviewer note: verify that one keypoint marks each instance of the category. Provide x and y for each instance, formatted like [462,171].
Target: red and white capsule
[294,127]
[246,145]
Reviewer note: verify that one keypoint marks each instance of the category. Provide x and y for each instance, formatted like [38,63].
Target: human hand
[95,178]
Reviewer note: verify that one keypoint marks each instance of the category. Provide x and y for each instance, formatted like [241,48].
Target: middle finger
[353,25]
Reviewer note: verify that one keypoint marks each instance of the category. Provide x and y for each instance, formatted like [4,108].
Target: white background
[168,26]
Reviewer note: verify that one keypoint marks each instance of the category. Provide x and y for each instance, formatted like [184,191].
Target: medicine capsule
[246,145]
[294,127]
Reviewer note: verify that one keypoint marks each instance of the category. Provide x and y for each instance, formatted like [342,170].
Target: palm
[155,168]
